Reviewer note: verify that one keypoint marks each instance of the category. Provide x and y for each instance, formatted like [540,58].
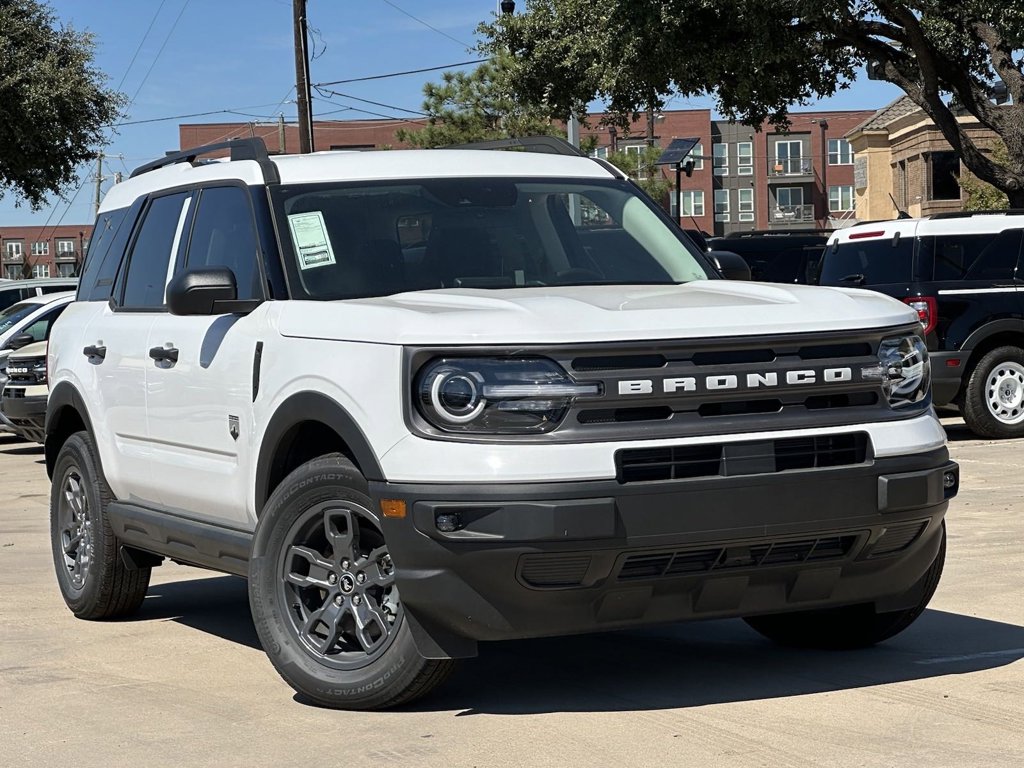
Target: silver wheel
[75,527]
[1004,392]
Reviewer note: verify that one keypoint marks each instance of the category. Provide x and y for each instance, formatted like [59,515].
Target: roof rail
[241,149]
[551,145]
[968,214]
[776,233]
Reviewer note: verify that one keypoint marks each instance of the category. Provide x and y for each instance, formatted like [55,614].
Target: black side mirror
[731,265]
[21,340]
[206,291]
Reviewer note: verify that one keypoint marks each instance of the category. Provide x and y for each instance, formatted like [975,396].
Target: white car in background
[27,322]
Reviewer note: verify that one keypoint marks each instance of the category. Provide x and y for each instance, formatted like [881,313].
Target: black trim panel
[187,541]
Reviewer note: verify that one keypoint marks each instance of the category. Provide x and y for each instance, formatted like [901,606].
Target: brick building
[904,163]
[43,251]
[742,180]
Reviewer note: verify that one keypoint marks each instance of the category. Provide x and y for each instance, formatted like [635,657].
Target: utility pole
[303,99]
[280,133]
[99,183]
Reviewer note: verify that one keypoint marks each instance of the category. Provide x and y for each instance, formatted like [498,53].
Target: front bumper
[560,558]
[25,415]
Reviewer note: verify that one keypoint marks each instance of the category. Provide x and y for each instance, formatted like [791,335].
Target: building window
[40,270]
[790,160]
[66,269]
[40,248]
[14,248]
[945,173]
[12,272]
[720,159]
[638,150]
[840,198]
[745,204]
[697,155]
[693,202]
[721,205]
[65,246]
[839,152]
[745,158]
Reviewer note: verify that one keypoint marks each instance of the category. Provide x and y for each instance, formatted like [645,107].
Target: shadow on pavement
[675,666]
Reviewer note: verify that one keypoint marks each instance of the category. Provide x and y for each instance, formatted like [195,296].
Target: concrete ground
[186,684]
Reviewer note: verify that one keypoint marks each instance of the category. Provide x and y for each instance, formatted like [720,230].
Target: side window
[223,236]
[984,257]
[147,266]
[40,329]
[103,256]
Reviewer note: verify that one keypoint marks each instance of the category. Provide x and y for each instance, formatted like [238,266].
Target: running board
[188,541]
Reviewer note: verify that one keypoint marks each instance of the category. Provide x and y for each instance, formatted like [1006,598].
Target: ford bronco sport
[424,399]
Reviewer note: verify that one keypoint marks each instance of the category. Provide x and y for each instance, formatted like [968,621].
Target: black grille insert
[898,537]
[721,557]
[618,362]
[638,465]
[616,415]
[554,571]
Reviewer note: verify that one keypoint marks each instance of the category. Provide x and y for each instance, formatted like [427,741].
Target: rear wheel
[93,579]
[323,595]
[851,626]
[994,396]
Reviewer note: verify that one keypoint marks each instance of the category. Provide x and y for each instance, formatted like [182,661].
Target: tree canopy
[757,57]
[476,106]
[55,103]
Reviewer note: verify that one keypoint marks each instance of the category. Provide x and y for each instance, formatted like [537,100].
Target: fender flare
[61,396]
[978,335]
[312,406]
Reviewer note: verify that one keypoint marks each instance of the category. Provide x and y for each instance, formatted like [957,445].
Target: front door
[200,404]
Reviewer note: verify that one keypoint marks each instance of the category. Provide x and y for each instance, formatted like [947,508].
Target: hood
[35,349]
[581,314]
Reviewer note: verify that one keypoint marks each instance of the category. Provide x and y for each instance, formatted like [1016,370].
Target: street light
[508,7]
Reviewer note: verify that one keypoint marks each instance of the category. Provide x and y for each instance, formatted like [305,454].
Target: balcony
[13,258]
[65,256]
[792,215]
[789,169]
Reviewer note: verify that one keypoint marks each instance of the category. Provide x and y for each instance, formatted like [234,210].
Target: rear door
[116,348]
[200,405]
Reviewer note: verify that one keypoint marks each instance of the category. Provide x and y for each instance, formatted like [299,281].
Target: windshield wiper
[858,279]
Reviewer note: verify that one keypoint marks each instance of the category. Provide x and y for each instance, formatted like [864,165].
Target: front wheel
[994,397]
[851,626]
[323,595]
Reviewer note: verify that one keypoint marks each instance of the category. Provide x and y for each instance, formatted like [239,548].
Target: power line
[425,24]
[322,91]
[233,111]
[160,51]
[399,74]
[142,42]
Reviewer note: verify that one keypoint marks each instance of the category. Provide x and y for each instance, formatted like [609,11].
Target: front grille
[733,556]
[22,372]
[684,462]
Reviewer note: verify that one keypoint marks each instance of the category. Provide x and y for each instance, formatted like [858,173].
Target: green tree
[982,196]
[476,106]
[54,104]
[760,56]
[640,166]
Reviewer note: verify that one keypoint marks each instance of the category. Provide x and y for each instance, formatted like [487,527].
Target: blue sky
[206,55]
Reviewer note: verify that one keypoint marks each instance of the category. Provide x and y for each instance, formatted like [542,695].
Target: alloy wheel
[75,525]
[1004,392]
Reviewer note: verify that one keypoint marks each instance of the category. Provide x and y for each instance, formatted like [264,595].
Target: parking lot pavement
[185,683]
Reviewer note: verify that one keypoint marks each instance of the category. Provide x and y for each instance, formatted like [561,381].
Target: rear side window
[110,235]
[868,262]
[11,296]
[40,329]
[146,278]
[982,257]
[223,236]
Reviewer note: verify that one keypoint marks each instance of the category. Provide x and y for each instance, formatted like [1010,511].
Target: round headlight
[456,396]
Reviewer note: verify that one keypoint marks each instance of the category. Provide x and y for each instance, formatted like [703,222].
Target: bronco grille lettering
[757,380]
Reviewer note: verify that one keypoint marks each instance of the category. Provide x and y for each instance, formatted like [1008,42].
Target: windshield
[868,262]
[14,314]
[378,239]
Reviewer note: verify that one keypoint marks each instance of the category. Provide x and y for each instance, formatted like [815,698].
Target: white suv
[422,399]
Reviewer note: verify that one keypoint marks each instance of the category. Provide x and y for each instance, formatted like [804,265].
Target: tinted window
[40,329]
[147,266]
[868,262]
[56,288]
[14,314]
[223,236]
[985,257]
[108,227]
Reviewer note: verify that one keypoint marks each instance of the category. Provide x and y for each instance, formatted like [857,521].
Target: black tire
[338,642]
[852,626]
[92,577]
[994,397]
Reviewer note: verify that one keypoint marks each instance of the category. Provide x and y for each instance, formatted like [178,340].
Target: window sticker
[312,245]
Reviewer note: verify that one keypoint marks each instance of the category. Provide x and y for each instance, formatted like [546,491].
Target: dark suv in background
[962,273]
[776,256]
